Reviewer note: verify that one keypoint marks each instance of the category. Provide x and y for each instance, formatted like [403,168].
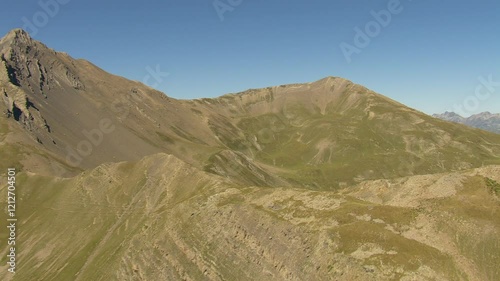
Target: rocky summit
[325,180]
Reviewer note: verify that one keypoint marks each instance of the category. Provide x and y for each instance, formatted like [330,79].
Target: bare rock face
[29,71]
[16,100]
[25,112]
[33,65]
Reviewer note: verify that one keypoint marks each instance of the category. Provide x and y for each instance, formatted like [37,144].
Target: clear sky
[429,55]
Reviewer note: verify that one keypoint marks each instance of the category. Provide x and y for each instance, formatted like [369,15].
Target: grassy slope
[163,220]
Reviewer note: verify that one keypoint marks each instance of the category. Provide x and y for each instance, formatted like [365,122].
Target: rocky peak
[28,71]
[33,66]
[17,35]
[18,42]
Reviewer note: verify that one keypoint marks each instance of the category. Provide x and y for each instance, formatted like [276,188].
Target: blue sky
[429,55]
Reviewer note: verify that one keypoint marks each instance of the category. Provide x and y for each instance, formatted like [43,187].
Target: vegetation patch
[493,185]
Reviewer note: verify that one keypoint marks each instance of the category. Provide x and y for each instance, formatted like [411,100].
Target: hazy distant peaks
[450,116]
[484,120]
[482,115]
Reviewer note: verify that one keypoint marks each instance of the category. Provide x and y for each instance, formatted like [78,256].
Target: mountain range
[484,120]
[325,180]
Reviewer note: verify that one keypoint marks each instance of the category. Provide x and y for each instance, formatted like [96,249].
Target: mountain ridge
[321,134]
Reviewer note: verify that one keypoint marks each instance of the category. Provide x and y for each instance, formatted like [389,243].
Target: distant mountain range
[484,120]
